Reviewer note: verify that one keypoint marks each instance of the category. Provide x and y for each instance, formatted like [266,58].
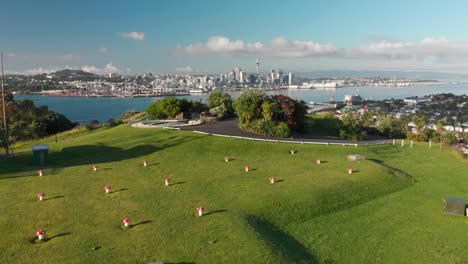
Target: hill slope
[388,211]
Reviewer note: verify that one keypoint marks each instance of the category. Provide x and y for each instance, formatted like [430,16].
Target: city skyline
[212,37]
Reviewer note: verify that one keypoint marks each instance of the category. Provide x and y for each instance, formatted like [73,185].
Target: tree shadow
[59,235]
[55,197]
[22,164]
[281,243]
[216,212]
[277,181]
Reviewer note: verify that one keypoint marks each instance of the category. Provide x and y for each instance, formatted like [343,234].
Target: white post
[411,143]
[394,142]
[430,144]
[402,142]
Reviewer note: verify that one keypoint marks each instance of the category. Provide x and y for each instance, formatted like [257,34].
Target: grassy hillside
[389,211]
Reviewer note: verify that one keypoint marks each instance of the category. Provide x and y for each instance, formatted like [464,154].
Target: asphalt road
[230,127]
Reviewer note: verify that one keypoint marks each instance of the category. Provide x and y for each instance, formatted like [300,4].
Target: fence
[298,142]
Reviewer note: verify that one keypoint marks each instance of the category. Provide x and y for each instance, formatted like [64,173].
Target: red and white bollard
[292,151]
[40,234]
[318,161]
[226,158]
[94,168]
[41,196]
[247,168]
[145,163]
[126,222]
[107,188]
[167,182]
[350,170]
[200,210]
[40,172]
[272,180]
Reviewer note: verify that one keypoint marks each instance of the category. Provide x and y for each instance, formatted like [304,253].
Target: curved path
[230,128]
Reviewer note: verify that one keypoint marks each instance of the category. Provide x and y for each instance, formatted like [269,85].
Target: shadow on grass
[277,181]
[23,165]
[141,223]
[152,164]
[120,190]
[176,183]
[281,243]
[176,262]
[216,212]
[59,235]
[380,162]
[55,197]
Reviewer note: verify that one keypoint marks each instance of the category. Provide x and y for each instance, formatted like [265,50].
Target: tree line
[25,121]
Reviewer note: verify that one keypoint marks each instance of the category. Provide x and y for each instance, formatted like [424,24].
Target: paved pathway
[230,128]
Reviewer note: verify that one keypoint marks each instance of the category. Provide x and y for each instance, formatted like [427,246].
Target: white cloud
[429,49]
[279,47]
[133,35]
[102,50]
[186,69]
[107,69]
[27,56]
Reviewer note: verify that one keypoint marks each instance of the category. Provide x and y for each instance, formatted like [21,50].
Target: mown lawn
[389,211]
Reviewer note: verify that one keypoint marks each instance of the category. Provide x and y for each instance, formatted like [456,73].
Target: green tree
[351,127]
[268,109]
[248,106]
[222,100]
[168,107]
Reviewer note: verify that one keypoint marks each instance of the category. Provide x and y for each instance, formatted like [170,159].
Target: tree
[248,106]
[268,109]
[351,127]
[168,107]
[223,100]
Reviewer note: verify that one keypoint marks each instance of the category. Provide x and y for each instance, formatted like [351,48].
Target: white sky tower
[258,66]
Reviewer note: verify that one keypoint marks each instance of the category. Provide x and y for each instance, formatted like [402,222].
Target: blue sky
[208,36]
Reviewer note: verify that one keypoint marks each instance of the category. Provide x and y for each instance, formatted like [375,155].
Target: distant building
[290,78]
[113,74]
[352,99]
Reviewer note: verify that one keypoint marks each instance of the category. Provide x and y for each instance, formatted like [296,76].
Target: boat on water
[197,91]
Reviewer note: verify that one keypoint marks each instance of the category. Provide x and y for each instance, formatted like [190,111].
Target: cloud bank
[109,68]
[133,35]
[279,47]
[186,69]
[26,56]
[439,50]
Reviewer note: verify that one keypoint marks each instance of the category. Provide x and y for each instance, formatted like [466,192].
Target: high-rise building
[290,78]
[241,76]
[258,66]
[237,73]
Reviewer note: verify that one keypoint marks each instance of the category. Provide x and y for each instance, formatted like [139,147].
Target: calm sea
[85,109]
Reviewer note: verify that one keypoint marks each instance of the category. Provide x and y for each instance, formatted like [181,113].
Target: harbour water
[85,109]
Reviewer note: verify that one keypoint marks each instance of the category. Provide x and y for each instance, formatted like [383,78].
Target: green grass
[387,212]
